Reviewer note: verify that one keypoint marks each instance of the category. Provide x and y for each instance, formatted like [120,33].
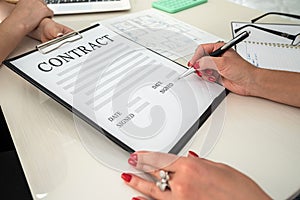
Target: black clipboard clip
[51,45]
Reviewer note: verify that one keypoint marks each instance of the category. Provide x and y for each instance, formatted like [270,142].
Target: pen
[219,51]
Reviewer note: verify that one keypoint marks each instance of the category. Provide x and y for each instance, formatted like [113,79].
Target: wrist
[254,82]
[262,83]
[14,29]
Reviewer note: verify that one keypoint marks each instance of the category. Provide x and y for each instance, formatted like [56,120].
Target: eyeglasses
[275,13]
[295,38]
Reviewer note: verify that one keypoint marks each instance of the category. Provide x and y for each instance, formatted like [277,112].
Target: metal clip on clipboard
[51,45]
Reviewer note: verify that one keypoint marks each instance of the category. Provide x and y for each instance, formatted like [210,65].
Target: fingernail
[132,162]
[193,154]
[59,34]
[135,198]
[199,73]
[196,65]
[208,72]
[189,64]
[212,79]
[126,177]
[134,156]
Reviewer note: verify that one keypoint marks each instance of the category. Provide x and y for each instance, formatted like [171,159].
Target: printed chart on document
[163,34]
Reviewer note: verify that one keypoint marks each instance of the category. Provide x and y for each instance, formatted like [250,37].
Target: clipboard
[51,45]
[119,105]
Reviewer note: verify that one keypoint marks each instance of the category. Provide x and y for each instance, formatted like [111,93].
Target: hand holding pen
[213,74]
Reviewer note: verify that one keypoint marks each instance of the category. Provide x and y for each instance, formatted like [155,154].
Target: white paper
[161,33]
[124,88]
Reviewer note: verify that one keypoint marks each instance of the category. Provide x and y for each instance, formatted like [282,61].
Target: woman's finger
[192,154]
[154,161]
[199,52]
[138,198]
[153,171]
[204,50]
[146,187]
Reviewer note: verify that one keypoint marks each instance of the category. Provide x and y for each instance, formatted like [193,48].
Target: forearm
[11,34]
[6,45]
[279,86]
[5,9]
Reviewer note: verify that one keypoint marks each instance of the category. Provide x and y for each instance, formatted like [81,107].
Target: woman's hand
[28,14]
[190,178]
[48,30]
[241,77]
[237,75]
[27,17]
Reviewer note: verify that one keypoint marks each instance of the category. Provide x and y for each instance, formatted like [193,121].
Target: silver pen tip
[187,72]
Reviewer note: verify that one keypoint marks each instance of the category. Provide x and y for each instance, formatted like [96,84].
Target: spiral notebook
[267,50]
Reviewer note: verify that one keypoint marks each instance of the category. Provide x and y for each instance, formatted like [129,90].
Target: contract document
[128,92]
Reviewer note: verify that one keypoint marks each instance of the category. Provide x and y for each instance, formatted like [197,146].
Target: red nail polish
[208,72]
[193,154]
[126,177]
[196,65]
[134,156]
[199,73]
[132,162]
[212,79]
[135,198]
[189,64]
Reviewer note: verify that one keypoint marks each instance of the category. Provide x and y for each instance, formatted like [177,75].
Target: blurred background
[287,6]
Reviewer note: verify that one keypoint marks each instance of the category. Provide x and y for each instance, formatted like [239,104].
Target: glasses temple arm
[275,13]
[282,34]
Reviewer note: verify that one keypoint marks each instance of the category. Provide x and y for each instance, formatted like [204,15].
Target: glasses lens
[296,40]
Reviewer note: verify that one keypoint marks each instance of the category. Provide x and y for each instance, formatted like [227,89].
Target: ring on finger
[163,183]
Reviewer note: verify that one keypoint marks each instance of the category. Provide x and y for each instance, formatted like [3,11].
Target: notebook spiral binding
[273,44]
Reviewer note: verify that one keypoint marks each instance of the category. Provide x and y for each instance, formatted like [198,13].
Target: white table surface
[257,136]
